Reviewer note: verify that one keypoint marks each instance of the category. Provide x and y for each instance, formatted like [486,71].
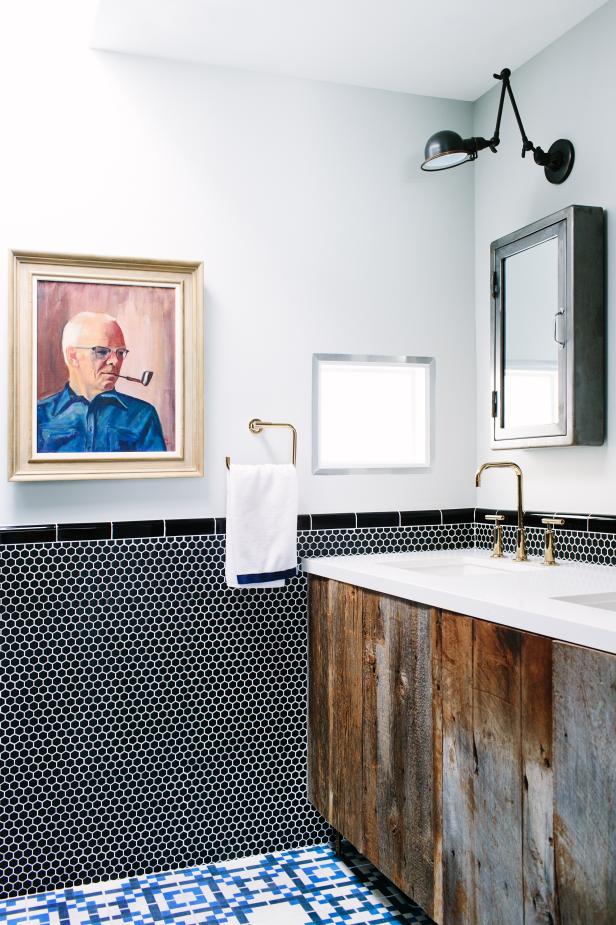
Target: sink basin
[471,568]
[603,600]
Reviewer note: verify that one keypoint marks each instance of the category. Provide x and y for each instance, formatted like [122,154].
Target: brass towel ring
[256,426]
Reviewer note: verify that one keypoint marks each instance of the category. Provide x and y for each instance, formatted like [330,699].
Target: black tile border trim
[421,518]
[192,526]
[346,521]
[68,533]
[378,519]
[458,515]
[46,533]
[137,529]
[601,523]
[204,526]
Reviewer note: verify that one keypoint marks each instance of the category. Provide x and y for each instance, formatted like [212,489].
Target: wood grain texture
[540,901]
[458,798]
[436,624]
[585,784]
[475,765]
[498,798]
[373,632]
[319,733]
[482,776]
[398,744]
[335,783]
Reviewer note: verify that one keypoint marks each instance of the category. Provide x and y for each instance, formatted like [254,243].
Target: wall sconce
[448,149]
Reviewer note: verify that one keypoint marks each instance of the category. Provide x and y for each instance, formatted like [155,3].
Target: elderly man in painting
[88,415]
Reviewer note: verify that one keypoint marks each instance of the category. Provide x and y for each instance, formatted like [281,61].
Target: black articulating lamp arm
[558,161]
[495,140]
[540,156]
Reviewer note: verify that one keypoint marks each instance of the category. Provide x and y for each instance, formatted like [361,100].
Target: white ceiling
[445,48]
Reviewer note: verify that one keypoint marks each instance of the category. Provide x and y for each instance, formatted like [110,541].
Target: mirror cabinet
[547,332]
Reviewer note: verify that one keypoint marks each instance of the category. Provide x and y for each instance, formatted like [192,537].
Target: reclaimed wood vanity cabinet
[473,764]
[371,720]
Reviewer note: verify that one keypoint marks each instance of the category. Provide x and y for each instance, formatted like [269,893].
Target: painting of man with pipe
[89,414]
[93,392]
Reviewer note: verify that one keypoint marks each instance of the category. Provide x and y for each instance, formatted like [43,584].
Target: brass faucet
[549,556]
[497,549]
[520,552]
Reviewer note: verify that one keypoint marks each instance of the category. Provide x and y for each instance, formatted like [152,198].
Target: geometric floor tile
[298,887]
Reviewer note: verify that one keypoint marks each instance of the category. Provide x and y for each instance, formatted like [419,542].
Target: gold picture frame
[67,419]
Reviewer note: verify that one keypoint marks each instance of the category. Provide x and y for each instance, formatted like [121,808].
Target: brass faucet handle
[549,557]
[497,549]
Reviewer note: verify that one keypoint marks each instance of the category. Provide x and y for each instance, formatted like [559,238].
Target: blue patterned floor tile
[305,886]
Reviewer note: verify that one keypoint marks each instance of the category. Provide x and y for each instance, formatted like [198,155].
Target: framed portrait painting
[106,368]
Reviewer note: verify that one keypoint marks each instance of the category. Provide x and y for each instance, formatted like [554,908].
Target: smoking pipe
[146,377]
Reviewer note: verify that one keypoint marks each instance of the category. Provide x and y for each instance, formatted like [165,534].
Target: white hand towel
[261,525]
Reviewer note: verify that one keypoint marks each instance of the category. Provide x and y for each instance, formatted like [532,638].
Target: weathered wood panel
[475,765]
[482,773]
[320,645]
[335,783]
[585,784]
[497,779]
[458,797]
[437,745]
[398,743]
[373,632]
[540,902]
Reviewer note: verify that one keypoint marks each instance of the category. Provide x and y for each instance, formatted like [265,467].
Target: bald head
[87,328]
[90,374]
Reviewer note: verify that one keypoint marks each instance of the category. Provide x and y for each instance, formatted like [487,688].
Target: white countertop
[523,595]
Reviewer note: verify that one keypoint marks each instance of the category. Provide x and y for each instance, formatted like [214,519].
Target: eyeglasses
[101,353]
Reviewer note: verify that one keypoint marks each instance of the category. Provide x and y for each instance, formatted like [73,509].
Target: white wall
[317,230]
[565,92]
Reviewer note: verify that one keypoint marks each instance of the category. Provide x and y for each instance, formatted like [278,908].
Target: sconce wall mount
[447,149]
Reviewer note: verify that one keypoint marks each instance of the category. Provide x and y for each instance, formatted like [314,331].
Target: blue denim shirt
[111,423]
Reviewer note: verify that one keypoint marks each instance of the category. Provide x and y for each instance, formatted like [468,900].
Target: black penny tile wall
[150,717]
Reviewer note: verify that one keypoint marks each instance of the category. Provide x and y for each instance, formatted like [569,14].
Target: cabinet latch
[494,285]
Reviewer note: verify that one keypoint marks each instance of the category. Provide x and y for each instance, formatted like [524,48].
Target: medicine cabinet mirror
[547,332]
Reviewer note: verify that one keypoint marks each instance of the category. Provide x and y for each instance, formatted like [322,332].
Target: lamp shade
[446,149]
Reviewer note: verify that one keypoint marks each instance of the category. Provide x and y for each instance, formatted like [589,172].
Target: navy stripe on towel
[258,577]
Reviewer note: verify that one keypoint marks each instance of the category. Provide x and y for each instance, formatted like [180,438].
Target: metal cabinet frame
[581,318]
